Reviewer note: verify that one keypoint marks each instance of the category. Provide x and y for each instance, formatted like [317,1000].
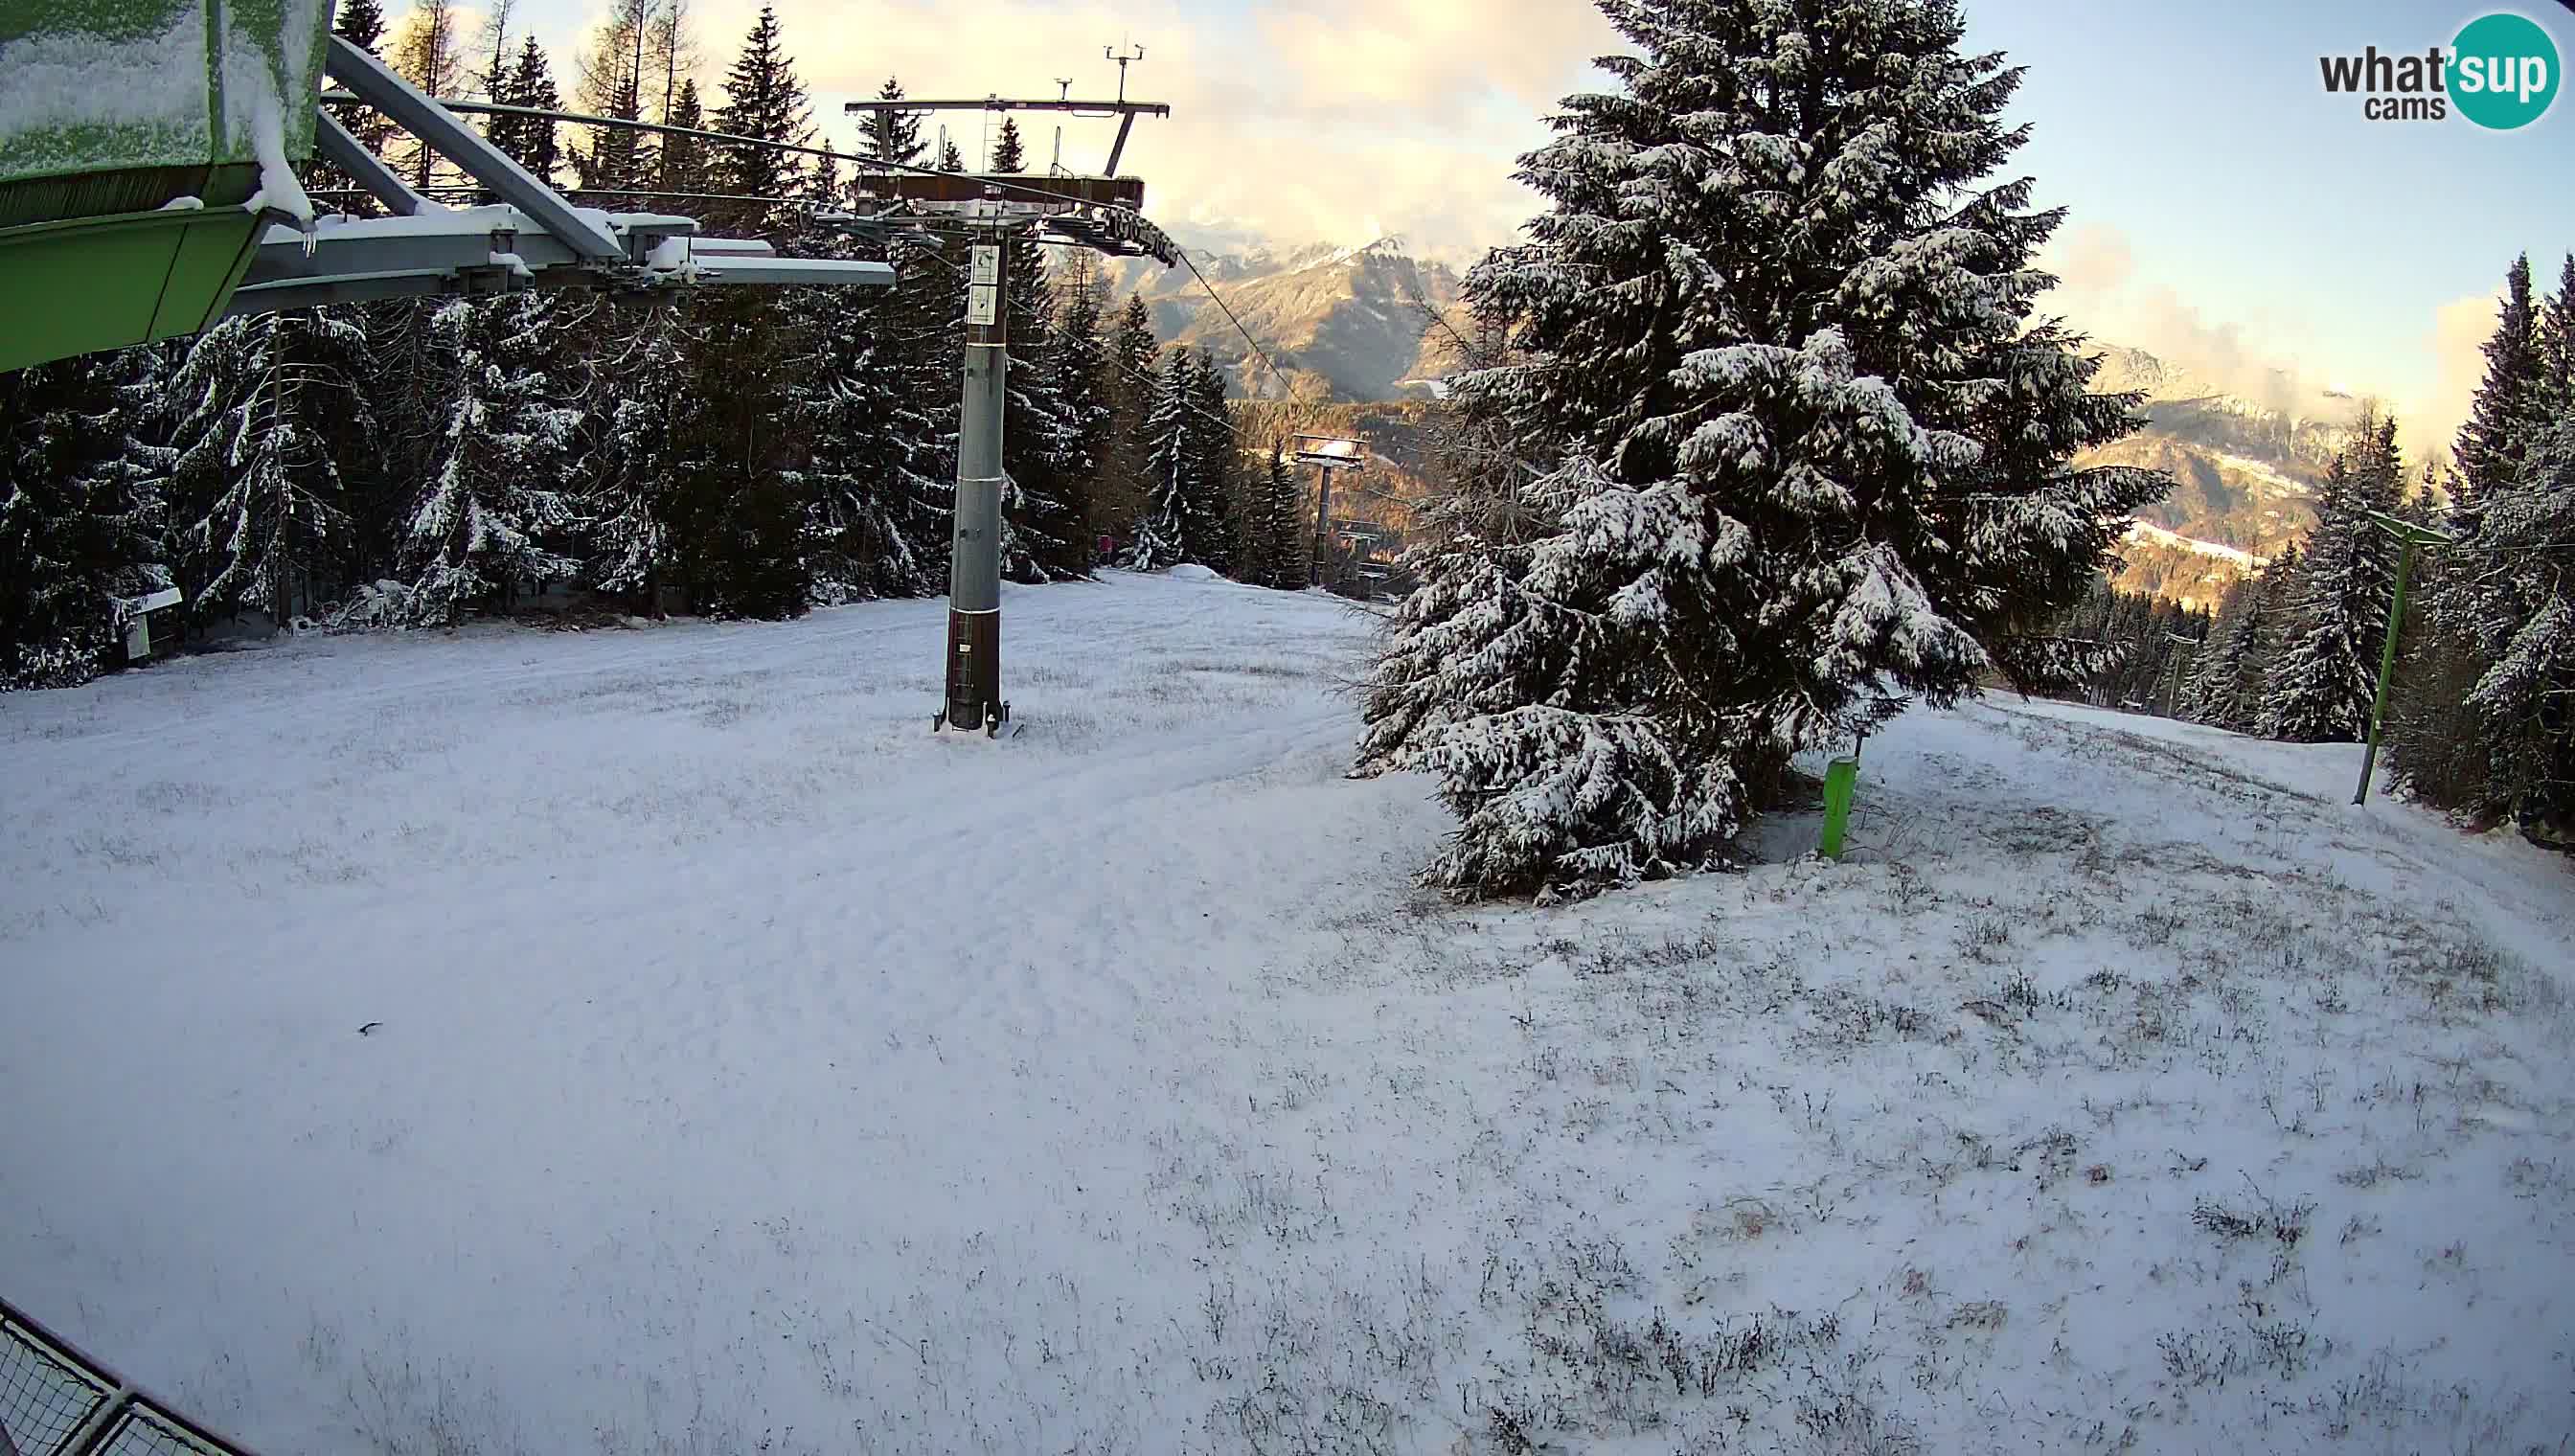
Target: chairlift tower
[991,211]
[1327,453]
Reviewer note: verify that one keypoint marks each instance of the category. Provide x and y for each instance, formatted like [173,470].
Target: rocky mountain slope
[1348,324]
[2245,473]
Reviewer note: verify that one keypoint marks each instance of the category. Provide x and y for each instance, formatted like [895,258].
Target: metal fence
[56,1401]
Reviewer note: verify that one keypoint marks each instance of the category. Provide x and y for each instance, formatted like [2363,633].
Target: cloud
[1342,121]
[2101,290]
[2090,259]
[2456,343]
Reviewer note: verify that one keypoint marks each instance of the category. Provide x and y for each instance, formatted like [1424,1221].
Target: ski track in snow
[755,1065]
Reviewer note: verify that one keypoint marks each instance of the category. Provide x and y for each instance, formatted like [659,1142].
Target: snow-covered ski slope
[749,1070]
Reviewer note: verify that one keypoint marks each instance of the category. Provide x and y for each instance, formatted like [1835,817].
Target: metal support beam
[350,155]
[447,239]
[373,83]
[276,298]
[724,269]
[472,251]
[1117,147]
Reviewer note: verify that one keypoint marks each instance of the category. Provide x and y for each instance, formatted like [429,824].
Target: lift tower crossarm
[1003,103]
[1125,111]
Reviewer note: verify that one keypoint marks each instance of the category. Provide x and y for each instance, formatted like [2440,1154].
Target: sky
[2225,211]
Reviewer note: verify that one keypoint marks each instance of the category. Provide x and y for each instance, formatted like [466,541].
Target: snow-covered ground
[751,1070]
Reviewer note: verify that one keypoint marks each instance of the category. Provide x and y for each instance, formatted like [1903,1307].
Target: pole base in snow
[975,671]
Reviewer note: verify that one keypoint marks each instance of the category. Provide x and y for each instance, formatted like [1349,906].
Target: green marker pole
[1840,777]
[2386,669]
[2412,535]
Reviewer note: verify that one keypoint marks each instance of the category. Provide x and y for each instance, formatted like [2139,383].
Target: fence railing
[56,1401]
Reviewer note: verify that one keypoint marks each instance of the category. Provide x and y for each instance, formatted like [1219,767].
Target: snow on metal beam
[372,82]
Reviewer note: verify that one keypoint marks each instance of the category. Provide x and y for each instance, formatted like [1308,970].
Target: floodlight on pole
[2411,535]
[1327,453]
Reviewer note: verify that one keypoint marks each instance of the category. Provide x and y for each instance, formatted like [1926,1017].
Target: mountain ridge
[1363,323]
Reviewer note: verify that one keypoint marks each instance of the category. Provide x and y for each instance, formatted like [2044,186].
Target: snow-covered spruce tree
[858,432]
[1125,481]
[2326,673]
[1215,466]
[2500,416]
[2221,658]
[533,142]
[1158,532]
[926,327]
[1082,377]
[2469,595]
[2522,583]
[492,515]
[2229,686]
[765,99]
[1281,527]
[683,164]
[1172,524]
[1045,509]
[2432,744]
[80,522]
[893,136]
[2555,336]
[736,522]
[261,503]
[1010,154]
[1815,450]
[635,410]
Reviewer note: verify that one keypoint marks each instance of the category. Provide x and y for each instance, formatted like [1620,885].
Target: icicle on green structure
[140,143]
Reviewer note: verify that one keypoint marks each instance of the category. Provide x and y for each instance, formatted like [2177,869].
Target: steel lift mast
[993,210]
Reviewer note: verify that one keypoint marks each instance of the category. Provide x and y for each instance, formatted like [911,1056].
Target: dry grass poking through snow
[2124,1091]
[2100,1105]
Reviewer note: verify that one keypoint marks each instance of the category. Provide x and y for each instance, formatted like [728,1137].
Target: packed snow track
[749,1069]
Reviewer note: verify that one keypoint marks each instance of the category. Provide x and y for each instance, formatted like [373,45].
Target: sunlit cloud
[1342,121]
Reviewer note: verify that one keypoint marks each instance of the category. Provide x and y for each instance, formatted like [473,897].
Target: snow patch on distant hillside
[2148,532]
[2265,472]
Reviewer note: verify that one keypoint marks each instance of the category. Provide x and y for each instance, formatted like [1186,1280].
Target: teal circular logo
[2503,71]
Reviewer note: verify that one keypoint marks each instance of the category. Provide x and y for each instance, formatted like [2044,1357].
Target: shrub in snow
[1811,446]
[51,665]
[381,607]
